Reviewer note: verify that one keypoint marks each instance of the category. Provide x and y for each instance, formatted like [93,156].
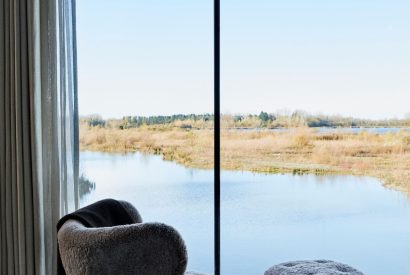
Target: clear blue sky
[348,57]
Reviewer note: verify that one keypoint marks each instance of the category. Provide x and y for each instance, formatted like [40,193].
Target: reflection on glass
[85,186]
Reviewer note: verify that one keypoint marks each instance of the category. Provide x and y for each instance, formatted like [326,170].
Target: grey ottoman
[317,267]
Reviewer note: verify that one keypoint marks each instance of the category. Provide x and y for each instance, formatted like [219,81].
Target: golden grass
[299,150]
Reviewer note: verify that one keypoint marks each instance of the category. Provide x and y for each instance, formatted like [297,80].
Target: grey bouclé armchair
[138,248]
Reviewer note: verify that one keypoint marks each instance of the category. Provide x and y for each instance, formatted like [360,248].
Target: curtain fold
[38,130]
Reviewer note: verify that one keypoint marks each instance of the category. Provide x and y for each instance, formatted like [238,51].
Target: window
[145,93]
[315,126]
[315,96]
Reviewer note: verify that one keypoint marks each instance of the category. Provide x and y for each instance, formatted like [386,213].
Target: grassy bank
[299,150]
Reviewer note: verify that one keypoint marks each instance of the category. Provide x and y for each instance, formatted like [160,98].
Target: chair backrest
[140,248]
[132,211]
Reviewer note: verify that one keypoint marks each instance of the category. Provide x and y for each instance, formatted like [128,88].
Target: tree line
[261,120]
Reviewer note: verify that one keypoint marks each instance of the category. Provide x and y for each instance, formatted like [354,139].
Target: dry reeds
[300,150]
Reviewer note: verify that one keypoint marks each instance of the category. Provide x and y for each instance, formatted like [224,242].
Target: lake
[341,130]
[265,219]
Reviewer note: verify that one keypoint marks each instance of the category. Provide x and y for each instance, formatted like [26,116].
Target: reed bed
[298,151]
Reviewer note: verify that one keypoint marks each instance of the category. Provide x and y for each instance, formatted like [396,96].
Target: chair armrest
[144,248]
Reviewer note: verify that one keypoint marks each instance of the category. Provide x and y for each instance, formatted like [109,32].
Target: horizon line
[405,116]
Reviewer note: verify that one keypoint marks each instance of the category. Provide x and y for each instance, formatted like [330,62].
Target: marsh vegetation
[298,150]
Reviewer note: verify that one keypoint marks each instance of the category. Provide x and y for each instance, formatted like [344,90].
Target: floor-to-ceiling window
[146,103]
[315,141]
[315,138]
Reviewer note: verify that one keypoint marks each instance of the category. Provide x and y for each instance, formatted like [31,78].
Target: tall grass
[299,150]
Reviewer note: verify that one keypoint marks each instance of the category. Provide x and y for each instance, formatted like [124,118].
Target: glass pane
[315,144]
[146,94]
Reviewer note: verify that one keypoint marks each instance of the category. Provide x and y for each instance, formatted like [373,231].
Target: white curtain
[38,130]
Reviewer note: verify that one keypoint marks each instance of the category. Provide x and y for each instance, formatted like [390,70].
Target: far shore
[300,150]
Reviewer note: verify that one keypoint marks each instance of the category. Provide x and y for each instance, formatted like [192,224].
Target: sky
[155,57]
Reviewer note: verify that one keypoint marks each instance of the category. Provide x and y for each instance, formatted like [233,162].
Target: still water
[266,219]
[339,130]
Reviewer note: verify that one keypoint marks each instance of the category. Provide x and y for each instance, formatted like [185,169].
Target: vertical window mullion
[217,136]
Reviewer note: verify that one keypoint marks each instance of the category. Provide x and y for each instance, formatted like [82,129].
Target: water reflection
[86,186]
[265,219]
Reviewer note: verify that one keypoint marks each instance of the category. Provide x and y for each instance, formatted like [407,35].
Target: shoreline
[382,156]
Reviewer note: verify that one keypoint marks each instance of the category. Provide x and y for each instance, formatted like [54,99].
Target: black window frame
[217,138]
